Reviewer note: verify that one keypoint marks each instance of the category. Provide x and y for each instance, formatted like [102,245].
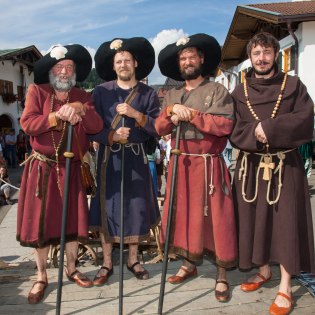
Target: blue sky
[45,23]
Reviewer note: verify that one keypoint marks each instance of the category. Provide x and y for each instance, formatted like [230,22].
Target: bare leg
[133,257]
[188,266]
[264,271]
[284,287]
[107,255]
[41,255]
[72,255]
[221,275]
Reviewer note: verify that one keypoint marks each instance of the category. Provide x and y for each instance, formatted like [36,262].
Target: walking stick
[176,153]
[122,208]
[68,155]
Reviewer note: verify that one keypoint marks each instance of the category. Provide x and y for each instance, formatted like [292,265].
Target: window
[289,59]
[228,81]
[6,87]
[241,75]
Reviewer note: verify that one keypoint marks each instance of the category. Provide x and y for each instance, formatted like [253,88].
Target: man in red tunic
[51,104]
[274,116]
[203,221]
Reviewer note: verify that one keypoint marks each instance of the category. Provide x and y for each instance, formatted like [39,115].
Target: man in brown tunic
[203,221]
[50,105]
[274,116]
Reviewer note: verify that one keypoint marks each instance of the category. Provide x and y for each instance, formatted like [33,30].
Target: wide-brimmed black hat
[139,47]
[168,57]
[80,56]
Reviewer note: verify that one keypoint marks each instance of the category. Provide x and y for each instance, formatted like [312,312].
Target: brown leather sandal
[141,275]
[100,280]
[222,296]
[34,298]
[80,279]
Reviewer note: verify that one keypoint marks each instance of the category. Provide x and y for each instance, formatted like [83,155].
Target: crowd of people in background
[13,148]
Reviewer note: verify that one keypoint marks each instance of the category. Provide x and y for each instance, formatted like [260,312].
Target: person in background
[153,155]
[203,221]
[123,63]
[50,106]
[274,116]
[306,151]
[10,148]
[21,145]
[5,189]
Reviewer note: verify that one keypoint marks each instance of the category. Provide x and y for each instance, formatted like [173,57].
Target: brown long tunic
[279,233]
[40,202]
[203,222]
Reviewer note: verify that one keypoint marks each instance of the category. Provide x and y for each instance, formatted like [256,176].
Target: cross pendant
[268,165]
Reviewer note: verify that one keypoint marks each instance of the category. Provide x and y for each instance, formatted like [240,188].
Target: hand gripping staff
[128,100]
[68,155]
[176,153]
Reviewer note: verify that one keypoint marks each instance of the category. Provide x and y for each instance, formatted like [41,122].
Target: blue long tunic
[141,210]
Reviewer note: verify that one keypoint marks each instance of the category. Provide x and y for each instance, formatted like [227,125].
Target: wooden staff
[122,212]
[68,155]
[176,153]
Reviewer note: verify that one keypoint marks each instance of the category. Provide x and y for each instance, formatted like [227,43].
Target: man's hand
[68,113]
[182,112]
[260,134]
[175,120]
[127,110]
[121,133]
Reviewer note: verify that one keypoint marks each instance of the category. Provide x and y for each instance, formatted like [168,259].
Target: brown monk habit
[280,232]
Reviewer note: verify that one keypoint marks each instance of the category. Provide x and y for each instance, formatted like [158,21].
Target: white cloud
[161,40]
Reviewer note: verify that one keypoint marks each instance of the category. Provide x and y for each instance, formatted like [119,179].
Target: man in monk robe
[123,63]
[203,221]
[274,116]
[51,104]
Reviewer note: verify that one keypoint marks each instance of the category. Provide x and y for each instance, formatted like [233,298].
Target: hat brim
[139,47]
[168,57]
[80,56]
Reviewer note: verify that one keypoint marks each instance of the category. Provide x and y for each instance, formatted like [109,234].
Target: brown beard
[124,77]
[266,72]
[192,75]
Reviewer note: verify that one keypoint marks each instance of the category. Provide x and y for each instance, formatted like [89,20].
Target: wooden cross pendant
[268,165]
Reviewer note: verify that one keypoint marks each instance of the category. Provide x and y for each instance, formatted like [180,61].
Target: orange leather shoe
[252,286]
[277,310]
[179,279]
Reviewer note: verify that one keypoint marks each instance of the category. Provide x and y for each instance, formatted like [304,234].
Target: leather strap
[131,96]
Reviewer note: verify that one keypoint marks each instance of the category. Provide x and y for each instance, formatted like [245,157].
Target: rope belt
[136,148]
[42,158]
[266,163]
[211,186]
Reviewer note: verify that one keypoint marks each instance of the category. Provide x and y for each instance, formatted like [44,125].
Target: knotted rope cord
[243,174]
[36,156]
[211,186]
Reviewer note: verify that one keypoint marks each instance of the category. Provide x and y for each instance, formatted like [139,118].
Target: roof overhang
[28,56]
[248,21]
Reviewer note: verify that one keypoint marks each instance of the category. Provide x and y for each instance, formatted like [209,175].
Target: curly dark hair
[263,39]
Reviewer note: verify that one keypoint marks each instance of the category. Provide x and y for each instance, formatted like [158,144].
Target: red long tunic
[40,203]
[193,233]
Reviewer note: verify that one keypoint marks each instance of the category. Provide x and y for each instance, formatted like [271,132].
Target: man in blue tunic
[123,63]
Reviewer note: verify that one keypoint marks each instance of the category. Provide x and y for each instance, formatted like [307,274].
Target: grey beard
[62,86]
